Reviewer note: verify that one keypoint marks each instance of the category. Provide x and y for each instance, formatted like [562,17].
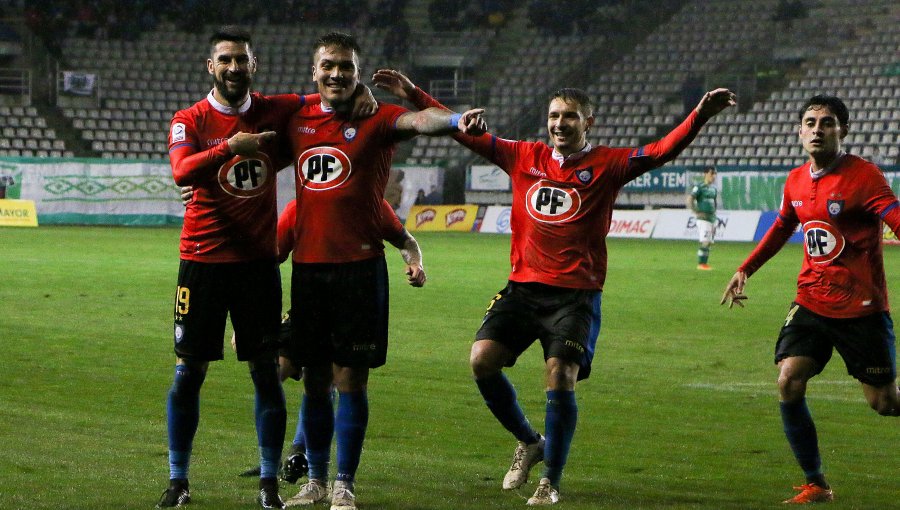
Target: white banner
[487,178]
[627,223]
[682,224]
[101,193]
[81,84]
[496,220]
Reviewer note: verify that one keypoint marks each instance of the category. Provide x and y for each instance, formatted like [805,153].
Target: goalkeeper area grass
[680,412]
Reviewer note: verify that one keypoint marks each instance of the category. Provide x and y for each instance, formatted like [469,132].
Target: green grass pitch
[680,412]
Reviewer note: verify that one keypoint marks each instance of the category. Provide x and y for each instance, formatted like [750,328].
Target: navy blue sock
[500,397]
[801,435]
[271,417]
[350,431]
[182,417]
[318,429]
[299,442]
[562,415]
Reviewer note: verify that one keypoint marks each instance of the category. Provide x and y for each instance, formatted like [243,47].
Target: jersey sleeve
[392,230]
[287,221]
[189,164]
[882,201]
[776,237]
[660,152]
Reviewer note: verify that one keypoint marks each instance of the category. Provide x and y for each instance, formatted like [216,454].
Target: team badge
[349,133]
[178,132]
[549,203]
[585,174]
[835,207]
[246,177]
[179,333]
[323,168]
[823,241]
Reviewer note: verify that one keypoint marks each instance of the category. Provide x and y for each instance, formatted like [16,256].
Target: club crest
[349,133]
[585,174]
[835,207]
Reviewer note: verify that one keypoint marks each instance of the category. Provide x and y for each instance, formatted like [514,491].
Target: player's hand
[715,101]
[472,123]
[394,82]
[734,291]
[247,144]
[187,194]
[415,275]
[364,103]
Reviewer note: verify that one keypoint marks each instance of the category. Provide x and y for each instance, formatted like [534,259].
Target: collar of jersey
[821,173]
[574,156]
[228,110]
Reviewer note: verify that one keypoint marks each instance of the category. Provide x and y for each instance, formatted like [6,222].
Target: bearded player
[226,148]
[840,201]
[562,204]
[342,169]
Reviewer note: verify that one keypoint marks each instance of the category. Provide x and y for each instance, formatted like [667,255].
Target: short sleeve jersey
[232,216]
[706,196]
[341,170]
[841,215]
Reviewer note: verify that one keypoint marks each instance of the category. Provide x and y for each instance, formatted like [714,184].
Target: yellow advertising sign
[458,218]
[17,213]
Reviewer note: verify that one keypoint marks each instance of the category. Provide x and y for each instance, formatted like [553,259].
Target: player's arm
[691,200]
[394,233]
[399,85]
[662,151]
[190,165]
[436,122]
[287,223]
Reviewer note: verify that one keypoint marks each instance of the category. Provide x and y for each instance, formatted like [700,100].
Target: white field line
[770,388]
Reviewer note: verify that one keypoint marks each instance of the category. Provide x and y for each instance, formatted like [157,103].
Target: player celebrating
[840,201]
[562,206]
[703,200]
[338,277]
[225,148]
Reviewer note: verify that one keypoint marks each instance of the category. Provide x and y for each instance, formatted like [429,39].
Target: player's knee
[790,386]
[885,404]
[483,362]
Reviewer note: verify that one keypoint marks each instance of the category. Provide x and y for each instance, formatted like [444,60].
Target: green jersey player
[703,200]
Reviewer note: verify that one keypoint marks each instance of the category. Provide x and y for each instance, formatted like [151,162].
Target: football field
[680,412]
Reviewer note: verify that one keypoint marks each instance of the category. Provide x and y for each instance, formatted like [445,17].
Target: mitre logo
[548,203]
[823,241]
[246,177]
[323,168]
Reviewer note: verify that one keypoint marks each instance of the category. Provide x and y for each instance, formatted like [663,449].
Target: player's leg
[572,330]
[199,328]
[317,422]
[705,232]
[350,425]
[868,347]
[885,400]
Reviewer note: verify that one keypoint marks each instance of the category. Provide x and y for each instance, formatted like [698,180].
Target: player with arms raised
[339,276]
[840,201]
[562,204]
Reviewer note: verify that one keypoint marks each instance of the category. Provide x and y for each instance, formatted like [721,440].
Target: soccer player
[840,201]
[562,203]
[225,148]
[338,278]
[703,200]
[295,464]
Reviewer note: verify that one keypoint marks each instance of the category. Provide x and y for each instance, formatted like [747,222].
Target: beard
[231,91]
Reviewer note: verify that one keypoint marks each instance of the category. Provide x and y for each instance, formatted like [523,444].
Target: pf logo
[550,204]
[823,241]
[245,177]
[322,168]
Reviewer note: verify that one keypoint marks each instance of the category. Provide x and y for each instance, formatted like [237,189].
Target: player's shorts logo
[322,168]
[246,177]
[823,241]
[550,204]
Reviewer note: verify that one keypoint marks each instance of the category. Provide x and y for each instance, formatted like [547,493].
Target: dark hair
[837,107]
[339,39]
[232,33]
[577,96]
[709,169]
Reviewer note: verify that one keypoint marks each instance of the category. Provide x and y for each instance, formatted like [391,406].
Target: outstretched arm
[435,121]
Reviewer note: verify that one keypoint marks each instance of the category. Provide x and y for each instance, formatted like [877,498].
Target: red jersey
[391,228]
[841,215]
[562,208]
[342,169]
[233,212]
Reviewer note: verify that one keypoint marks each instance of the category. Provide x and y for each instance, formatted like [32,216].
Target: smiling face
[232,66]
[567,125]
[336,73]
[821,133]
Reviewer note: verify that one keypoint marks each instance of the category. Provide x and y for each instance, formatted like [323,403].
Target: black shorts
[865,343]
[567,322]
[340,314]
[249,291]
